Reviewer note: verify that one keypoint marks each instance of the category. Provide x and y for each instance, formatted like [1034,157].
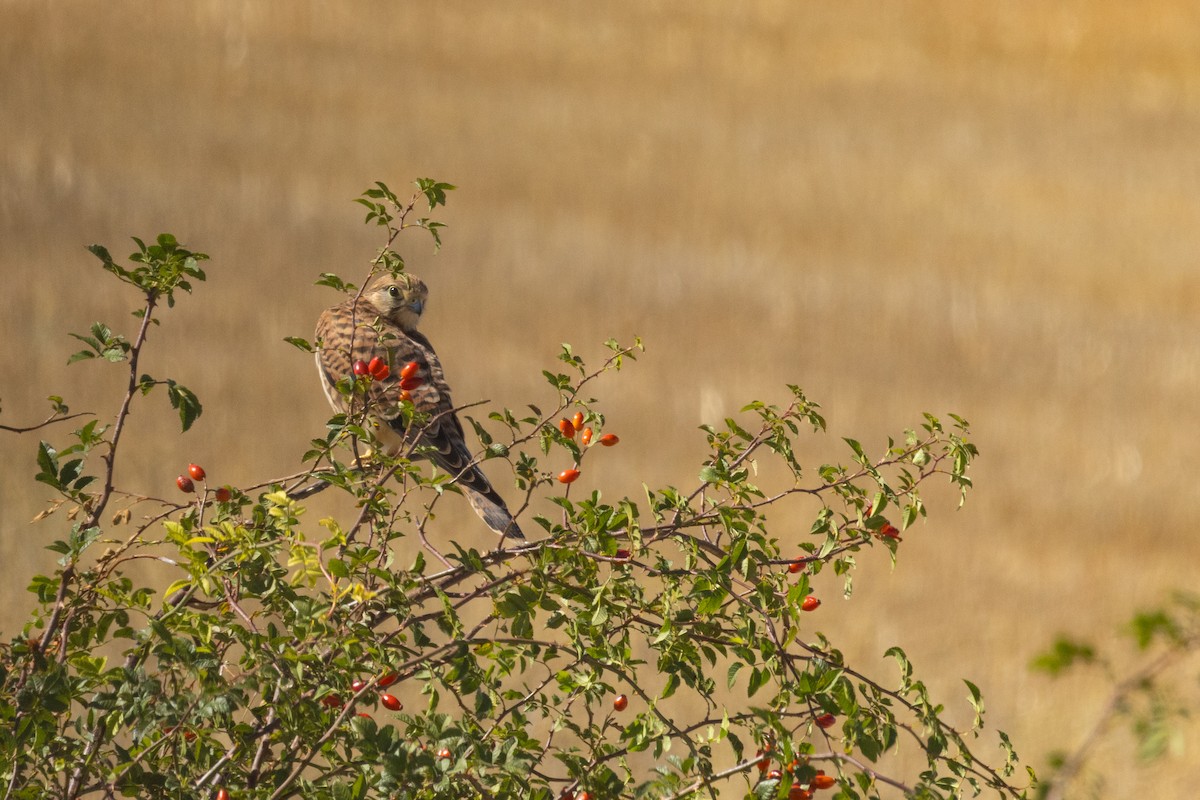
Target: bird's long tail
[491,509]
[483,498]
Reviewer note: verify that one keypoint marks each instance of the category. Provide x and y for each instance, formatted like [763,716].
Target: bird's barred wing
[443,432]
[354,332]
[334,328]
[349,333]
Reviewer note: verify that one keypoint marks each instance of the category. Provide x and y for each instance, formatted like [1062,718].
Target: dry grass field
[984,208]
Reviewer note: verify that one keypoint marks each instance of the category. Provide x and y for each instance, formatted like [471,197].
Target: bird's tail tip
[496,516]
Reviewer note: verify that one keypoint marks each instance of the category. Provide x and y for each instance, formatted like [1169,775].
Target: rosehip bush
[254,671]
[1149,704]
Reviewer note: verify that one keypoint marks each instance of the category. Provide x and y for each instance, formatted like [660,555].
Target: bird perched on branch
[382,324]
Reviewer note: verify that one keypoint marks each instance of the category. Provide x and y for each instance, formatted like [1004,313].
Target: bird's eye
[394,291]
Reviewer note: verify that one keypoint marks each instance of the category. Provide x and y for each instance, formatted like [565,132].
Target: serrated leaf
[731,674]
[47,459]
[185,402]
[758,679]
[335,282]
[80,356]
[300,344]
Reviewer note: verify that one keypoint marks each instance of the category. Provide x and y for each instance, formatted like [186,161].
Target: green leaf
[710,604]
[333,281]
[434,191]
[185,402]
[300,344]
[1063,654]
[102,253]
[758,679]
[80,356]
[731,674]
[47,459]
[976,701]
[1146,626]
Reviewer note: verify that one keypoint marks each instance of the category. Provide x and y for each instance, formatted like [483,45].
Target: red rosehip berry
[621,703]
[810,603]
[586,437]
[568,476]
[222,494]
[444,753]
[798,792]
[409,370]
[408,384]
[890,531]
[623,554]
[390,702]
[822,781]
[332,701]
[361,368]
[387,680]
[825,721]
[196,471]
[774,775]
[796,565]
[185,484]
[376,364]
[222,793]
[566,428]
[577,420]
[609,439]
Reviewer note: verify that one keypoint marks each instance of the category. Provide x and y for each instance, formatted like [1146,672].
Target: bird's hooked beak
[417,306]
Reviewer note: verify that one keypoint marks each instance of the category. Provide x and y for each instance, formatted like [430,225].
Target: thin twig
[50,420]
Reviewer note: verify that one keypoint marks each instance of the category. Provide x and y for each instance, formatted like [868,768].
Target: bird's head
[400,299]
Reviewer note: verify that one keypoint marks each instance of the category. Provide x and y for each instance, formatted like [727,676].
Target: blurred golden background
[983,208]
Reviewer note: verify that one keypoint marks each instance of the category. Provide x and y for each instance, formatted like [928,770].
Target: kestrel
[383,323]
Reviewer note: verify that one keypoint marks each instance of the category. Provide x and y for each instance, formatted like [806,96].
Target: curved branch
[50,420]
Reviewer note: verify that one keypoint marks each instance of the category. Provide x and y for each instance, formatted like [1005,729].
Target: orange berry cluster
[809,603]
[195,472]
[797,791]
[568,428]
[378,370]
[888,531]
[389,701]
